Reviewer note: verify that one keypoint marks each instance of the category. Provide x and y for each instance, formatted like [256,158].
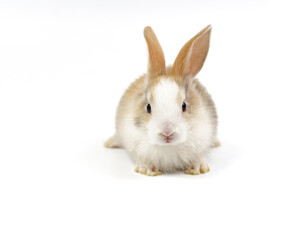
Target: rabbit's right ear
[156,56]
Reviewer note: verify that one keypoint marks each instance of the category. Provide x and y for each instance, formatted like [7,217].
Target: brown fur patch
[132,96]
[141,115]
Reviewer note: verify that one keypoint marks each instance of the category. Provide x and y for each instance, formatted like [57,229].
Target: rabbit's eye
[184,107]
[148,108]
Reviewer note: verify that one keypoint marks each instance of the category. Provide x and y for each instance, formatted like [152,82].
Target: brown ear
[156,57]
[193,54]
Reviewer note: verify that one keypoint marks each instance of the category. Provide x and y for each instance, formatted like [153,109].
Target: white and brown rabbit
[166,120]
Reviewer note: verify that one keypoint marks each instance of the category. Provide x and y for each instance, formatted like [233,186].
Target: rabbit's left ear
[193,54]
[156,56]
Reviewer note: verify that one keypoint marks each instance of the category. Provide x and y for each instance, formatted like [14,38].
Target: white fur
[166,114]
[194,138]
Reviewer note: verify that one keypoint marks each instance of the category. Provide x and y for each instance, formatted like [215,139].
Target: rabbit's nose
[166,135]
[167,130]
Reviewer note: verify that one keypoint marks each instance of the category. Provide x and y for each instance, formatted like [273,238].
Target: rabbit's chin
[166,144]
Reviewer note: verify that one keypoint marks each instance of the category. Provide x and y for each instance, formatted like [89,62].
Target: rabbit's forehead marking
[167,92]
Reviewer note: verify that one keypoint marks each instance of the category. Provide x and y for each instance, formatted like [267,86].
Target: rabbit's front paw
[196,170]
[192,171]
[204,168]
[147,170]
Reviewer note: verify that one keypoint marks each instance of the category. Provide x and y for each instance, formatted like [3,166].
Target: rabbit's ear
[156,57]
[193,54]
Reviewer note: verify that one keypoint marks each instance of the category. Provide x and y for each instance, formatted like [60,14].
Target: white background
[64,66]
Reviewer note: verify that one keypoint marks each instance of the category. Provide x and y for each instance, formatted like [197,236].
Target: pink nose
[167,135]
[167,129]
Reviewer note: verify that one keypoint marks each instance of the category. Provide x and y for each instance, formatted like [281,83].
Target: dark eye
[184,107]
[148,108]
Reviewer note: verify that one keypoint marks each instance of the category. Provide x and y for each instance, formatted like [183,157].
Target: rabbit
[166,120]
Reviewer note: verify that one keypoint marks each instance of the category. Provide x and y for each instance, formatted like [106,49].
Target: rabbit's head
[171,103]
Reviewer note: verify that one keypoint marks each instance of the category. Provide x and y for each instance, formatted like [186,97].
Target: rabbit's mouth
[172,139]
[167,138]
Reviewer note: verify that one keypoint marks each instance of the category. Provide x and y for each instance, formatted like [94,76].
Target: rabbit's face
[166,107]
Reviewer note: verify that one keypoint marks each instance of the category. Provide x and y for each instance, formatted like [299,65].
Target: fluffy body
[188,154]
[166,119]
